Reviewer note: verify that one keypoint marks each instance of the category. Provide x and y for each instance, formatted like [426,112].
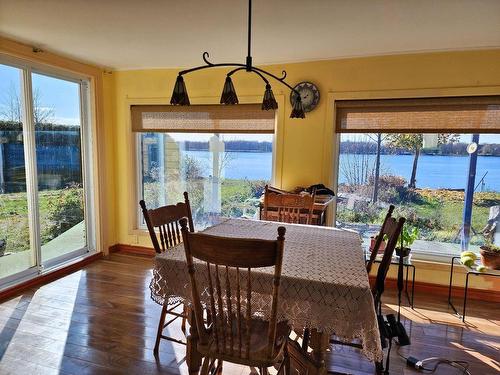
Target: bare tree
[11,108]
[41,114]
[227,158]
[355,168]
[379,138]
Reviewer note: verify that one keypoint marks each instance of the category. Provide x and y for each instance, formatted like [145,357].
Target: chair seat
[258,353]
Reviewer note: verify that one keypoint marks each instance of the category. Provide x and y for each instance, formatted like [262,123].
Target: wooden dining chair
[380,238]
[288,208]
[164,230]
[392,229]
[235,332]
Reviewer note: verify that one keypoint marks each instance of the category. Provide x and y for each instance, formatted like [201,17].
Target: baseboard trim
[420,287]
[132,250]
[442,290]
[48,277]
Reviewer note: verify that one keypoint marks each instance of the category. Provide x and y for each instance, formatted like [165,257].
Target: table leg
[406,285]
[193,357]
[451,279]
[305,339]
[450,302]
[406,279]
[320,342]
[465,295]
[413,287]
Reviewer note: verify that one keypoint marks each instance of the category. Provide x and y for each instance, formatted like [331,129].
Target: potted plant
[490,256]
[406,238]
[383,244]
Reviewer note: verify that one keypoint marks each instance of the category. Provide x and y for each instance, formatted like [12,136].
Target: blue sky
[63,97]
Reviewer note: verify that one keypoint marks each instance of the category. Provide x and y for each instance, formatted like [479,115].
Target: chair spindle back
[288,208]
[166,220]
[229,265]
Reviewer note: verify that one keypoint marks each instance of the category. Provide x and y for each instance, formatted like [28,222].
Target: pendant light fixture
[228,93]
[228,96]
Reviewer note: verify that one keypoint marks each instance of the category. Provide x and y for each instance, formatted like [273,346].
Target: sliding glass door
[45,198]
[16,250]
[61,204]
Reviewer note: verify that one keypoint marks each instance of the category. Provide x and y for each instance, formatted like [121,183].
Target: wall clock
[309,94]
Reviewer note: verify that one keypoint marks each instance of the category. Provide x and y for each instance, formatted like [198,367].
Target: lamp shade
[269,102]
[298,109]
[228,93]
[180,95]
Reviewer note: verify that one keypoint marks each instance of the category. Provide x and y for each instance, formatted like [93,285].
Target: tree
[414,143]
[355,168]
[11,108]
[378,139]
[225,161]
[41,114]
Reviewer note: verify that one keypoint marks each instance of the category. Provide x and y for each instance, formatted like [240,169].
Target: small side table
[469,271]
[407,264]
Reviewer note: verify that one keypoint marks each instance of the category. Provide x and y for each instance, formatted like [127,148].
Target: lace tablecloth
[324,284]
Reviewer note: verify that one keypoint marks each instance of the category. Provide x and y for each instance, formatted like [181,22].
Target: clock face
[309,94]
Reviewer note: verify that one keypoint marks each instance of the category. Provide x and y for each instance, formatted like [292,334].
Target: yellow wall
[306,149]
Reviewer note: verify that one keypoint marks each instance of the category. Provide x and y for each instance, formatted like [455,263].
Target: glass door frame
[41,267]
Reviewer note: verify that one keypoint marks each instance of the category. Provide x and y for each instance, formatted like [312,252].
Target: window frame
[87,126]
[141,225]
[332,136]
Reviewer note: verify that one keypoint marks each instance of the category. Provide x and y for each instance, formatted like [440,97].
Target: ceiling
[127,34]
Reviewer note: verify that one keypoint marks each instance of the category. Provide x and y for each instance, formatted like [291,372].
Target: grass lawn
[447,217]
[438,214]
[14,217]
[240,197]
[14,221]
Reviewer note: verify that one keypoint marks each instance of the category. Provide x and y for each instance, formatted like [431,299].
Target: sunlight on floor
[23,329]
[481,357]
[419,315]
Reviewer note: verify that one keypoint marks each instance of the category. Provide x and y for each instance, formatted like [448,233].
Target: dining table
[324,287]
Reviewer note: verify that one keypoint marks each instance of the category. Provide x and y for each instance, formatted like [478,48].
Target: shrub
[241,197]
[363,212]
[65,210]
[392,189]
[389,180]
[257,187]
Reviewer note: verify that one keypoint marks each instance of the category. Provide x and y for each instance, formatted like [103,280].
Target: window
[45,174]
[414,154]
[222,156]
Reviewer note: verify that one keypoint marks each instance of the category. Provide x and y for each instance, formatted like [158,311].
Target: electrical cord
[461,365]
[402,356]
[421,365]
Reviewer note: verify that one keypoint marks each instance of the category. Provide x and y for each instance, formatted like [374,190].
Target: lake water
[440,171]
[433,171]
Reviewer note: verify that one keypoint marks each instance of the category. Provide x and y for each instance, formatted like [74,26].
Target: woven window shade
[241,118]
[432,115]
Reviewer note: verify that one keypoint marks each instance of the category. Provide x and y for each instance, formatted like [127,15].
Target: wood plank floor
[101,320]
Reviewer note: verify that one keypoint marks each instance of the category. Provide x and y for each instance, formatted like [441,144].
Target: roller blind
[241,118]
[432,115]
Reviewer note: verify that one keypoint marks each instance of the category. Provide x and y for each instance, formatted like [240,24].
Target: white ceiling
[127,34]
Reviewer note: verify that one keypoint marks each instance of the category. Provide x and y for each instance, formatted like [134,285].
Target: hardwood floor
[101,320]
